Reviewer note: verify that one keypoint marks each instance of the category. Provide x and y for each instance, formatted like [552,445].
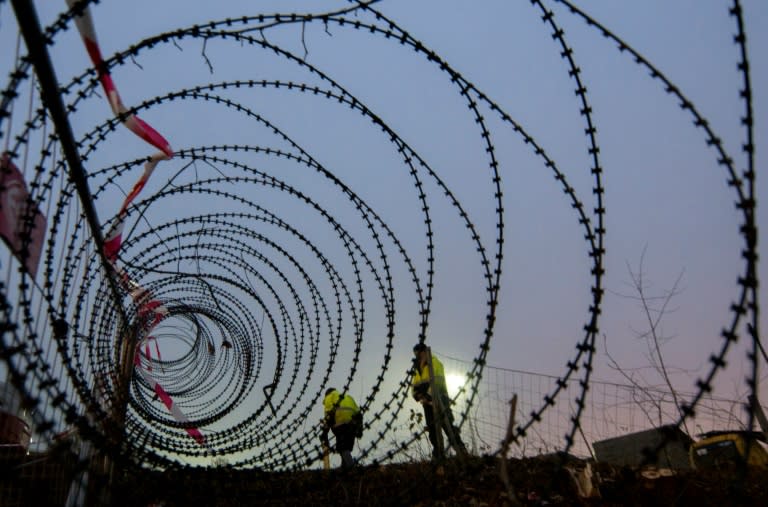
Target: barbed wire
[264,307]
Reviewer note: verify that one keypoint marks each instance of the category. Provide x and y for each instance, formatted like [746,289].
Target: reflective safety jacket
[420,380]
[344,411]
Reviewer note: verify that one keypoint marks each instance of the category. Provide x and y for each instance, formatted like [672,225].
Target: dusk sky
[668,208]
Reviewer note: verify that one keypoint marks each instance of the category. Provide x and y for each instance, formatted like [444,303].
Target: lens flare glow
[453,382]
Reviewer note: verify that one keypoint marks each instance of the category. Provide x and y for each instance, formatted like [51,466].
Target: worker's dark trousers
[345,441]
[451,431]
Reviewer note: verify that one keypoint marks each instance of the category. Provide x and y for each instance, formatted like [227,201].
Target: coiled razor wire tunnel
[270,257]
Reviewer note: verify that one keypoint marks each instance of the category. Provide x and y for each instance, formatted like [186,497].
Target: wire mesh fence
[612,410]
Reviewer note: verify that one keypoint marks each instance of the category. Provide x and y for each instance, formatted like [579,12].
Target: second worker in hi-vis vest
[422,392]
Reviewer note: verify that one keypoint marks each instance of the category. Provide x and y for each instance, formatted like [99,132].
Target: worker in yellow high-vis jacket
[422,392]
[342,416]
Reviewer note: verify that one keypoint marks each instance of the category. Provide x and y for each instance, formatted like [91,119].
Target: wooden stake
[326,458]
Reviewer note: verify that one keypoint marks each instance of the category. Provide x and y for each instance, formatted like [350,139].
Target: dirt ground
[473,482]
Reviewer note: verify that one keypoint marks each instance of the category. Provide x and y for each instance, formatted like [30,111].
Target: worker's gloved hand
[420,391]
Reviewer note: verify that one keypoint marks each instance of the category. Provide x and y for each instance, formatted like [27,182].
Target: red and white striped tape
[87,31]
[151,309]
[165,397]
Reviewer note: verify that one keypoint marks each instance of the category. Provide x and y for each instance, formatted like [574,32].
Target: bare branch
[654,321]
[654,308]
[207,61]
[133,59]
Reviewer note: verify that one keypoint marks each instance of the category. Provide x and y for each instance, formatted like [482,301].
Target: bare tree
[654,308]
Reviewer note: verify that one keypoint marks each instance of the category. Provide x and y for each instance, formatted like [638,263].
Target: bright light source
[454,381]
